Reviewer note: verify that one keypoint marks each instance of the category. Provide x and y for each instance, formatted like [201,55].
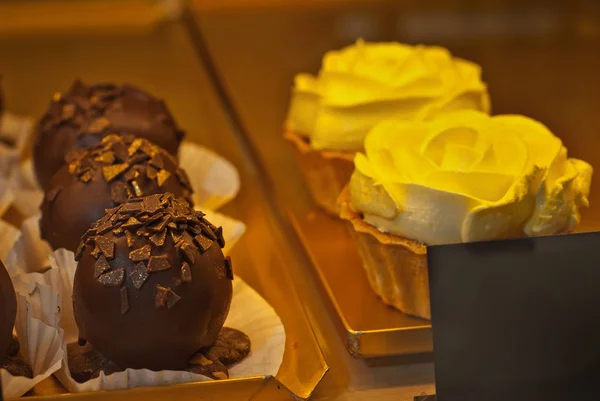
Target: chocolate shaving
[95,252]
[98,126]
[136,188]
[162,177]
[172,298]
[131,175]
[189,252]
[158,239]
[206,230]
[130,239]
[133,207]
[86,177]
[135,145]
[68,112]
[151,172]
[113,278]
[160,296]
[220,238]
[157,162]
[186,273]
[140,254]
[107,246]
[118,192]
[105,157]
[113,171]
[151,204]
[202,242]
[124,301]
[176,236]
[120,150]
[138,275]
[158,263]
[118,232]
[100,266]
[132,223]
[228,268]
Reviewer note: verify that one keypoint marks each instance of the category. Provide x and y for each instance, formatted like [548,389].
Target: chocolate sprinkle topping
[153,217]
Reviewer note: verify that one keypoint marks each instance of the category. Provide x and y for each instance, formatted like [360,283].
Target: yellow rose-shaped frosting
[363,84]
[466,176]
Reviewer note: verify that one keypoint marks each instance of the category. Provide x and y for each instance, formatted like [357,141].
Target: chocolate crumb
[130,239]
[172,298]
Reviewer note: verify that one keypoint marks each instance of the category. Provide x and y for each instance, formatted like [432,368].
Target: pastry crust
[396,267]
[325,172]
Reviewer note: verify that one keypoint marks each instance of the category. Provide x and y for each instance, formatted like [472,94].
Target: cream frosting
[466,176]
[363,84]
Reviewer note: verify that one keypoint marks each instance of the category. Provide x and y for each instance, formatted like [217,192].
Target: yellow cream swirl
[363,84]
[466,176]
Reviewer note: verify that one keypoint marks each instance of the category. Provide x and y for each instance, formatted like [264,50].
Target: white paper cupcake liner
[215,181]
[40,343]
[15,129]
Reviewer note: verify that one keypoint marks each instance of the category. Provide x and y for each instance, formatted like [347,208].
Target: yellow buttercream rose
[466,176]
[366,83]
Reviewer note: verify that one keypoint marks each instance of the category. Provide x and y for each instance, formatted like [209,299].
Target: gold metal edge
[184,391]
[366,344]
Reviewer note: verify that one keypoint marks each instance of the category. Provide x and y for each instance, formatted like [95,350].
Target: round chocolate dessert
[85,114]
[152,287]
[102,177]
[8,311]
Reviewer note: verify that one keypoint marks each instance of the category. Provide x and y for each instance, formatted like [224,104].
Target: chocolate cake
[102,177]
[152,287]
[80,118]
[9,346]
[8,310]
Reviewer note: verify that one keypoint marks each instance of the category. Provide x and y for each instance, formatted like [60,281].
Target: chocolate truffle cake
[8,310]
[102,177]
[152,289]
[80,118]
[9,347]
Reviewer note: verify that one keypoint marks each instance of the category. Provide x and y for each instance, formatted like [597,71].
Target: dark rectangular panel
[517,319]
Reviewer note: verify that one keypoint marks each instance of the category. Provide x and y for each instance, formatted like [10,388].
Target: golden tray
[369,328]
